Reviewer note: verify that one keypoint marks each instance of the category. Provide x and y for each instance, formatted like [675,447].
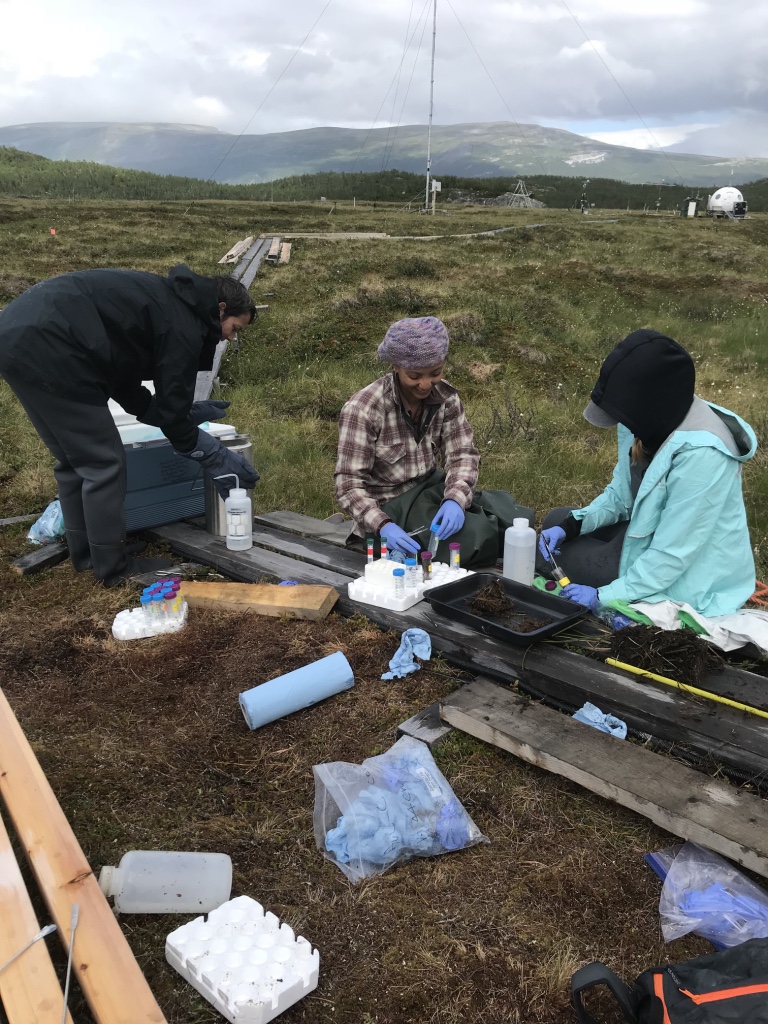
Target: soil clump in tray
[678,654]
[493,602]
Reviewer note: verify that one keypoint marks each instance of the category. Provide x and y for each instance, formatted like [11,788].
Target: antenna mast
[431,104]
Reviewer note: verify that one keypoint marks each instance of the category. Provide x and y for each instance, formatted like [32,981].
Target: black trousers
[591,558]
[90,473]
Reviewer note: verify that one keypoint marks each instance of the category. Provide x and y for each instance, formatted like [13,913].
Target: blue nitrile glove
[398,540]
[202,412]
[449,519]
[554,536]
[216,460]
[581,594]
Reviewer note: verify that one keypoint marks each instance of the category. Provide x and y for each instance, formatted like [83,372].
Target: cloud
[634,64]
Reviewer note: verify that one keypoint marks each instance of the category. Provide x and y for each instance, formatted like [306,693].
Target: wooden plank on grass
[307,526]
[41,558]
[12,520]
[303,601]
[251,566]
[725,736]
[30,992]
[686,803]
[109,976]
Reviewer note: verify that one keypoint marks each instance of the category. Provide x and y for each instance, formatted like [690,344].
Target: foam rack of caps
[377,586]
[244,961]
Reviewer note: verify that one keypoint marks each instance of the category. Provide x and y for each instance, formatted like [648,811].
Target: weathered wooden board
[250,566]
[12,520]
[30,992]
[723,736]
[41,558]
[304,601]
[306,526]
[683,801]
[109,976]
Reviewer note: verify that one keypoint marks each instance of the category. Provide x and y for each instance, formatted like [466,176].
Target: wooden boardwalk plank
[298,602]
[41,558]
[306,526]
[719,736]
[683,801]
[109,976]
[30,992]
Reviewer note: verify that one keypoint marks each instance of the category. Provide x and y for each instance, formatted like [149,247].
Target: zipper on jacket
[726,993]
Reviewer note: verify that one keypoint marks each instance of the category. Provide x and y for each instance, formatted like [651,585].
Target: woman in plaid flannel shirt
[394,432]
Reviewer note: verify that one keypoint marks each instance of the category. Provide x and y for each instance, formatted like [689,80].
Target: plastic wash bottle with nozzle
[239,512]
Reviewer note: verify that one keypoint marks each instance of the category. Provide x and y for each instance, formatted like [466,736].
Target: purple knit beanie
[417,343]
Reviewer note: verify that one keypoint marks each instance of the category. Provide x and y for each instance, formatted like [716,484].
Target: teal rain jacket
[687,538]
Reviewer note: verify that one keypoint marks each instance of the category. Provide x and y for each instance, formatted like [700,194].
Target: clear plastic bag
[392,808]
[49,527]
[705,894]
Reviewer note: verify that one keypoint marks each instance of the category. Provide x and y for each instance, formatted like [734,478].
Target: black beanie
[647,383]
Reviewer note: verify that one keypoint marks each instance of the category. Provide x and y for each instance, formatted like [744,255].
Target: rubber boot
[79,550]
[138,567]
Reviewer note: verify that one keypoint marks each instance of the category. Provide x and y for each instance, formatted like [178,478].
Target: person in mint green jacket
[671,524]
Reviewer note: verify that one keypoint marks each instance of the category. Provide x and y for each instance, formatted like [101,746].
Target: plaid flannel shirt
[383,453]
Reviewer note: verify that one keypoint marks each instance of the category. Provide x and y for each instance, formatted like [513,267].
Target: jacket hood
[647,384]
[199,293]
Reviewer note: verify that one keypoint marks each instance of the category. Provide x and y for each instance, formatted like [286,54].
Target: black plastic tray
[450,601]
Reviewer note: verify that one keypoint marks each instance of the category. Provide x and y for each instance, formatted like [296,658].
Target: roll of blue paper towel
[296,690]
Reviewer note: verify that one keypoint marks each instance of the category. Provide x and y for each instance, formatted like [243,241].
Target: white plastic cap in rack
[375,587]
[133,624]
[244,962]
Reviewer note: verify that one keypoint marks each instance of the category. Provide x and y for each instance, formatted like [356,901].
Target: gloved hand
[580,593]
[216,460]
[554,536]
[449,519]
[398,540]
[201,412]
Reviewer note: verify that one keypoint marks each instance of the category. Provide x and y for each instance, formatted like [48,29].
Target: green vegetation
[531,312]
[24,175]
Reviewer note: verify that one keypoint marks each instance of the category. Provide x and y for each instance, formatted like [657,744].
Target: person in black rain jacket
[69,344]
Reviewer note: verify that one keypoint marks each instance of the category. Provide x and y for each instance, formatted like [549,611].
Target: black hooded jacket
[97,334]
[647,383]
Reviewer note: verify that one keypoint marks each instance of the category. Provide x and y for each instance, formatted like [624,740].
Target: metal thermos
[215,512]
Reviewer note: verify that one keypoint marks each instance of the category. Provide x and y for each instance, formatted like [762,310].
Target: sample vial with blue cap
[399,578]
[410,573]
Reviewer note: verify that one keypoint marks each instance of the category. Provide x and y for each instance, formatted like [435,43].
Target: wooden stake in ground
[29,989]
[111,979]
[302,601]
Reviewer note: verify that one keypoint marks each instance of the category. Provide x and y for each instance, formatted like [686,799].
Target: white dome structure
[727,202]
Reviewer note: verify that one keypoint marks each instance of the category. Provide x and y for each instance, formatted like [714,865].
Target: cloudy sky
[646,73]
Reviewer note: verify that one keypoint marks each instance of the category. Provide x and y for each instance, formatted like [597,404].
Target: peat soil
[146,748]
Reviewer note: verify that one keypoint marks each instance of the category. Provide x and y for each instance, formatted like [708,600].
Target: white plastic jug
[519,552]
[168,882]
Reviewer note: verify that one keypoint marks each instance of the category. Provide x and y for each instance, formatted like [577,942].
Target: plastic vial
[519,552]
[166,882]
[158,608]
[369,547]
[146,607]
[384,552]
[434,540]
[455,560]
[426,566]
[410,573]
[399,578]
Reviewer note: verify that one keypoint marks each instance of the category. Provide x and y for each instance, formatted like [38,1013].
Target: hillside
[466,150]
[25,175]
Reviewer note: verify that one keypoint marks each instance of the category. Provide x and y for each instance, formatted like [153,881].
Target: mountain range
[490,149]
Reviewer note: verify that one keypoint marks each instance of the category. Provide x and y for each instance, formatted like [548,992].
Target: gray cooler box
[163,487]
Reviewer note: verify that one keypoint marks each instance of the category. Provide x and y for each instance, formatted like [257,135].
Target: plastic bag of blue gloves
[388,810]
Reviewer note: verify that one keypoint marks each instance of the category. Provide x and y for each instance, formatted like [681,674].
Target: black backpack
[730,987]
